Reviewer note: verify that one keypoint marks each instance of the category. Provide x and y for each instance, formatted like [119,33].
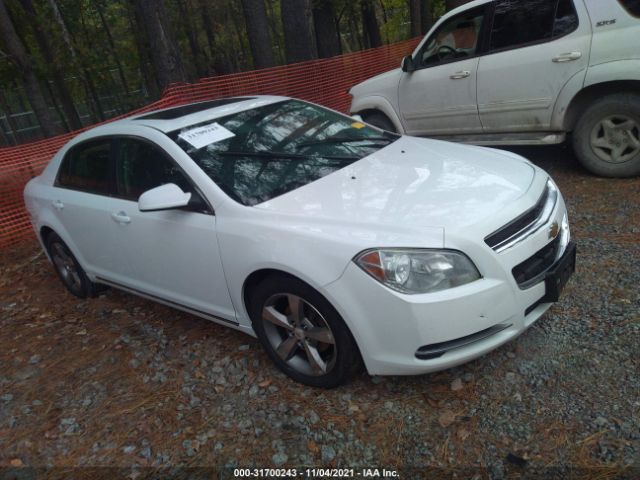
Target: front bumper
[412,334]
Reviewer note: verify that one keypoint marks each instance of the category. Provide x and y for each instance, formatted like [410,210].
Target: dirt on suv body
[522,72]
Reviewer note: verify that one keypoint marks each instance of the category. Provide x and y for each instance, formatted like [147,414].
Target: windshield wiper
[346,140]
[281,155]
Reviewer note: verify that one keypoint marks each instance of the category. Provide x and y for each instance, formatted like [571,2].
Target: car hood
[415,183]
[375,85]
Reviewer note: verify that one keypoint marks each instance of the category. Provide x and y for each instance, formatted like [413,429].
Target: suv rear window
[631,6]
[87,167]
[518,23]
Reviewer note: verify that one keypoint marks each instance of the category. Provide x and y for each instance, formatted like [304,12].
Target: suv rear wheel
[606,139]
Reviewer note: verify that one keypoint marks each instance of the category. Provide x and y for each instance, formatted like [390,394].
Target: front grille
[532,269]
[519,224]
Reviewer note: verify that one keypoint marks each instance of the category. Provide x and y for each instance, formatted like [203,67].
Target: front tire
[68,269]
[606,139]
[302,333]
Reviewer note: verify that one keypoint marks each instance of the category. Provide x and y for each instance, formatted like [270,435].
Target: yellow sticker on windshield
[358,125]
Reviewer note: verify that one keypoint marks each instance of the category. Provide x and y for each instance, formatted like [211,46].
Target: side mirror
[164,197]
[407,64]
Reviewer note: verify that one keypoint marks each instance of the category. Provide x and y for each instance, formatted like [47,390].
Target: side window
[457,38]
[566,20]
[87,167]
[519,22]
[632,6]
[141,166]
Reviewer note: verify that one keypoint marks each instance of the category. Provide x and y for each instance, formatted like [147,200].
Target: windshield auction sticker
[203,136]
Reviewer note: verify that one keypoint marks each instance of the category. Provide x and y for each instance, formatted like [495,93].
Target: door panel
[80,201]
[86,218]
[171,254]
[174,255]
[433,102]
[518,87]
[439,97]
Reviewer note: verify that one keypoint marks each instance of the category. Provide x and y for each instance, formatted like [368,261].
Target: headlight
[418,271]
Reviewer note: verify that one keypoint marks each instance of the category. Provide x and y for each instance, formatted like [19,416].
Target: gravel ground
[121,381]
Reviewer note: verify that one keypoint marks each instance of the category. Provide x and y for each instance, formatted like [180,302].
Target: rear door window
[632,6]
[87,167]
[517,23]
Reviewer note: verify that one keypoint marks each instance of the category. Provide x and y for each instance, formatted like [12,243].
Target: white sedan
[333,242]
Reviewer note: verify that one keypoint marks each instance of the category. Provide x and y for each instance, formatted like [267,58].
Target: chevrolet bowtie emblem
[554,229]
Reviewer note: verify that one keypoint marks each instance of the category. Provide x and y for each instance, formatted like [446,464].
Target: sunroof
[181,111]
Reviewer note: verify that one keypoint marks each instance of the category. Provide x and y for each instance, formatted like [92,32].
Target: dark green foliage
[82,61]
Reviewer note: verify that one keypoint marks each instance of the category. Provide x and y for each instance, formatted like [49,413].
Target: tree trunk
[112,47]
[255,17]
[64,95]
[327,36]
[16,49]
[370,24]
[142,48]
[451,4]
[298,43]
[165,55]
[426,16]
[416,17]
[192,38]
[89,86]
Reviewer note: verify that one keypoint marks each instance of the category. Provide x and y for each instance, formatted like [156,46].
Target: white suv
[516,72]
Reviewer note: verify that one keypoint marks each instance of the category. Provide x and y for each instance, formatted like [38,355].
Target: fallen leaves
[313,446]
[447,418]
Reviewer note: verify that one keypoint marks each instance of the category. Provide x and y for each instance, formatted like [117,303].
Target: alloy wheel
[616,139]
[299,334]
[66,266]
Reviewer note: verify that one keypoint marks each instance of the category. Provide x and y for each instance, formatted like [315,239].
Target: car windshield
[261,153]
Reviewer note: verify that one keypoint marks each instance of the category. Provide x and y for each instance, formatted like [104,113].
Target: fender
[609,77]
[377,102]
[618,70]
[569,91]
[66,238]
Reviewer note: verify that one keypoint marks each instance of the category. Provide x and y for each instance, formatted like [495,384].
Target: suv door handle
[459,75]
[57,204]
[121,217]
[567,57]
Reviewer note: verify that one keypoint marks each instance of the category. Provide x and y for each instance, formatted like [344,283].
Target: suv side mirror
[164,197]
[407,64]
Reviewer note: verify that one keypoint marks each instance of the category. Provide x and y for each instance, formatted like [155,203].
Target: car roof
[174,118]
[463,8]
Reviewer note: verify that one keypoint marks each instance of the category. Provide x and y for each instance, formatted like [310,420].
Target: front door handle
[459,75]
[567,57]
[121,217]
[57,204]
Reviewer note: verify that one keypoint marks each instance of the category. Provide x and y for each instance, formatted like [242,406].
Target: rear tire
[380,120]
[302,333]
[606,139]
[68,269]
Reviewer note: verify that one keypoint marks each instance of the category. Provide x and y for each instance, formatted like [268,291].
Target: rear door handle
[57,204]
[567,57]
[459,75]
[121,217]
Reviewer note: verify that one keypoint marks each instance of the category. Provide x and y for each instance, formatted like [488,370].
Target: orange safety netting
[323,81]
